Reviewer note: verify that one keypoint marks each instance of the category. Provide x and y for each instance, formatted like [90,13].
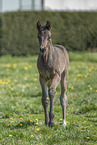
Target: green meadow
[21,111]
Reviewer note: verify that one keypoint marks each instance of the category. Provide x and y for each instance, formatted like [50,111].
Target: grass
[22,116]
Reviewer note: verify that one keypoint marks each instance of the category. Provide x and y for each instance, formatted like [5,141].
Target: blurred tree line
[74,30]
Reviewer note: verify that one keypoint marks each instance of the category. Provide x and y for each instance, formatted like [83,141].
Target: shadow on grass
[30,94]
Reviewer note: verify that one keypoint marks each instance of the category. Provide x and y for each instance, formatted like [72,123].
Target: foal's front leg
[44,99]
[52,90]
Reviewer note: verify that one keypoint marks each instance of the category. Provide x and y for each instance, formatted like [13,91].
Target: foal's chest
[46,70]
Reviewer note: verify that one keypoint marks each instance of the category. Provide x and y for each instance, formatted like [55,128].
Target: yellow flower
[25,68]
[14,66]
[12,84]
[72,88]
[88,137]
[79,75]
[36,123]
[21,124]
[32,135]
[9,125]
[61,119]
[90,88]
[96,90]
[35,79]
[20,140]
[10,135]
[36,119]
[21,118]
[11,118]
[37,129]
[31,121]
[89,85]
[7,69]
[12,121]
[11,89]
[8,65]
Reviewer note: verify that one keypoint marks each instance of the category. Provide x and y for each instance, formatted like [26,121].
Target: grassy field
[22,116]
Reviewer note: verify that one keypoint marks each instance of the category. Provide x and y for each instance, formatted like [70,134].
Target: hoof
[51,124]
[47,123]
[64,123]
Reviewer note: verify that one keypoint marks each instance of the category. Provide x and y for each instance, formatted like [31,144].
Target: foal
[52,64]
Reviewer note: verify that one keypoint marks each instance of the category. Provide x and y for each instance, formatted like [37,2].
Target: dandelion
[21,124]
[14,66]
[89,85]
[8,65]
[90,88]
[36,119]
[10,135]
[61,119]
[11,118]
[32,135]
[11,88]
[35,79]
[72,88]
[31,121]
[3,89]
[88,137]
[20,140]
[79,75]
[21,118]
[12,121]
[9,124]
[7,69]
[36,123]
[87,74]
[25,68]
[96,90]
[16,93]
[37,129]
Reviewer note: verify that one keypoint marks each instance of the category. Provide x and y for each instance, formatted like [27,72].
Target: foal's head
[44,36]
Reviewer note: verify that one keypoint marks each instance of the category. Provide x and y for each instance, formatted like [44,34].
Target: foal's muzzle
[42,49]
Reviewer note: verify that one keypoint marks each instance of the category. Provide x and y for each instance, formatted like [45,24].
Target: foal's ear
[38,26]
[48,25]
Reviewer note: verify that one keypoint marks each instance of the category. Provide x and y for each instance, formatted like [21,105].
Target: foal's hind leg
[63,97]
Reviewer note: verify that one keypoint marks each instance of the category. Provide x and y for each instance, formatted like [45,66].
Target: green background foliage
[74,30]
